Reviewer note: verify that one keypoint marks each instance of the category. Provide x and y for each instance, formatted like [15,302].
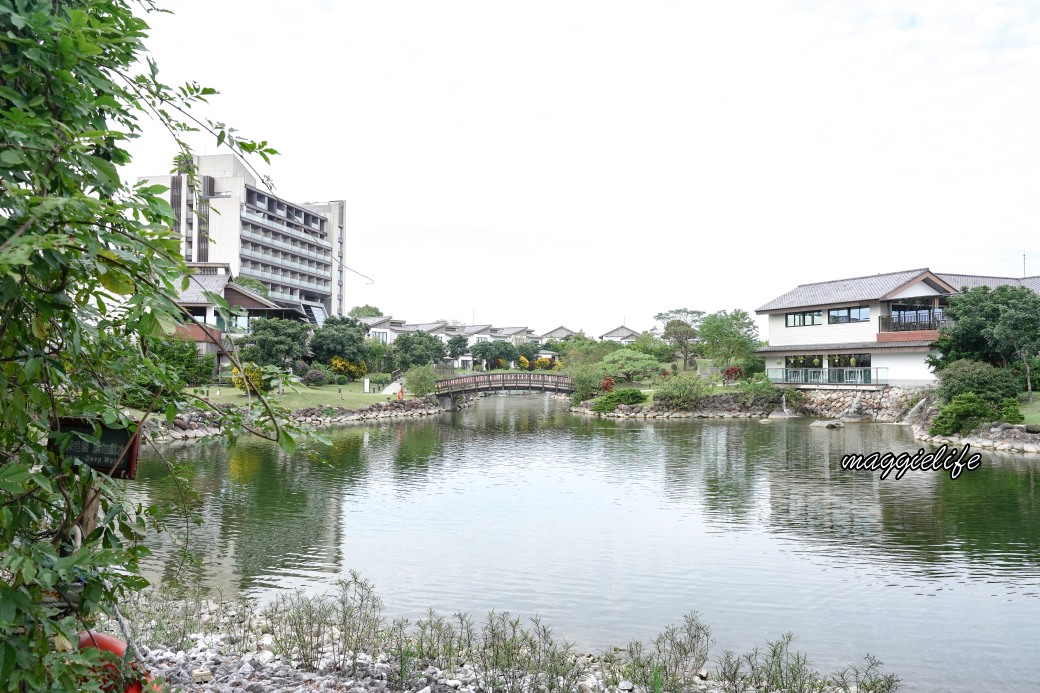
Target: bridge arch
[493,382]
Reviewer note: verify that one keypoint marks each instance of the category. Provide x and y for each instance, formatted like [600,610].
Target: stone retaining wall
[724,406]
[997,435]
[200,424]
[889,404]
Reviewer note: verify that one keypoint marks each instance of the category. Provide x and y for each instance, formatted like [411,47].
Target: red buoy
[108,643]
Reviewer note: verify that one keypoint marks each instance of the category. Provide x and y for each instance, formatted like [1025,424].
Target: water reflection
[612,529]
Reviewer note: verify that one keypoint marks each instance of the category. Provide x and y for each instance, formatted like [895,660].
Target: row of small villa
[216,279]
[864,332]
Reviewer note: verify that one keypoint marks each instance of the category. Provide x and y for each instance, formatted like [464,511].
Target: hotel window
[481,339]
[804,361]
[849,360]
[840,316]
[809,317]
[380,337]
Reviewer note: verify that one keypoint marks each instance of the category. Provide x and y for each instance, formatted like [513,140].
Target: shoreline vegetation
[892,405]
[341,641]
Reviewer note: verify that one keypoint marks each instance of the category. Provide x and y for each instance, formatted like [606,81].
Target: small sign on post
[114,454]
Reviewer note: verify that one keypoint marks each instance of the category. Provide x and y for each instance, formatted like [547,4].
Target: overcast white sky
[585,163]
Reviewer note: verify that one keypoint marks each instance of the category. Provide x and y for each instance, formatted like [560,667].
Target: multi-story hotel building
[295,250]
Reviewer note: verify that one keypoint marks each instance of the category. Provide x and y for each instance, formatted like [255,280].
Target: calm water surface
[612,530]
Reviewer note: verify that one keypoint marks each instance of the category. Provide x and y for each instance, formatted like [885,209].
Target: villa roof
[868,288]
[429,327]
[199,285]
[266,302]
[974,281]
[565,331]
[373,321]
[881,286]
[621,332]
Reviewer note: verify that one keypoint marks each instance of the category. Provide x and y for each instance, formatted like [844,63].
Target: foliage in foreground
[89,270]
[326,632]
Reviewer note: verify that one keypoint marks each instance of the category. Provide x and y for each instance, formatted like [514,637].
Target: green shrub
[610,401]
[683,391]
[314,378]
[757,388]
[255,375]
[379,379]
[751,365]
[325,370]
[993,385]
[586,380]
[963,415]
[342,380]
[1010,412]
[420,380]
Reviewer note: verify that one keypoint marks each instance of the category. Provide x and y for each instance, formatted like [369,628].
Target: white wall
[918,289]
[904,368]
[780,334]
[225,226]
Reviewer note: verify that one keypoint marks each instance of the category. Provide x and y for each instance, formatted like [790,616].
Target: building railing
[295,249]
[283,226]
[829,376]
[911,323]
[274,259]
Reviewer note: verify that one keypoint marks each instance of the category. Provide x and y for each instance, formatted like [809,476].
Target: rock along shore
[266,672]
[192,424]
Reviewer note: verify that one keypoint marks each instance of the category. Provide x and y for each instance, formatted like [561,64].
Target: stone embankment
[193,424]
[890,404]
[917,407]
[997,435]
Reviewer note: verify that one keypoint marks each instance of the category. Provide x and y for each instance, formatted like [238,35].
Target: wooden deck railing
[504,381]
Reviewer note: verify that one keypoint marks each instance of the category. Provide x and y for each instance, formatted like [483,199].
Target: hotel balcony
[911,326]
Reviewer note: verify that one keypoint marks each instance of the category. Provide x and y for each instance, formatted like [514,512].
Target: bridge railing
[504,381]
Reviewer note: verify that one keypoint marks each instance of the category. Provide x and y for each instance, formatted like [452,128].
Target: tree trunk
[91,502]
[1029,380]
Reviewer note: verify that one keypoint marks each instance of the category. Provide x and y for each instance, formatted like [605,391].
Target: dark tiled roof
[875,286]
[558,330]
[622,332]
[816,348]
[375,320]
[974,281]
[251,294]
[842,290]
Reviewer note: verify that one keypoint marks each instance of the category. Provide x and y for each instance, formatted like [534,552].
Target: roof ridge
[870,276]
[987,276]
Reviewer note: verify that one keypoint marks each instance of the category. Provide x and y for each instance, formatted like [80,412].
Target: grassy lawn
[1031,410]
[325,396]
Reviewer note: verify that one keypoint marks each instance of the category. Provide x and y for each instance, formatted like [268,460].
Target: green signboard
[114,454]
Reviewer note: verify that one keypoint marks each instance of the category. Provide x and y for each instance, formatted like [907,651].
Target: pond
[611,530]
